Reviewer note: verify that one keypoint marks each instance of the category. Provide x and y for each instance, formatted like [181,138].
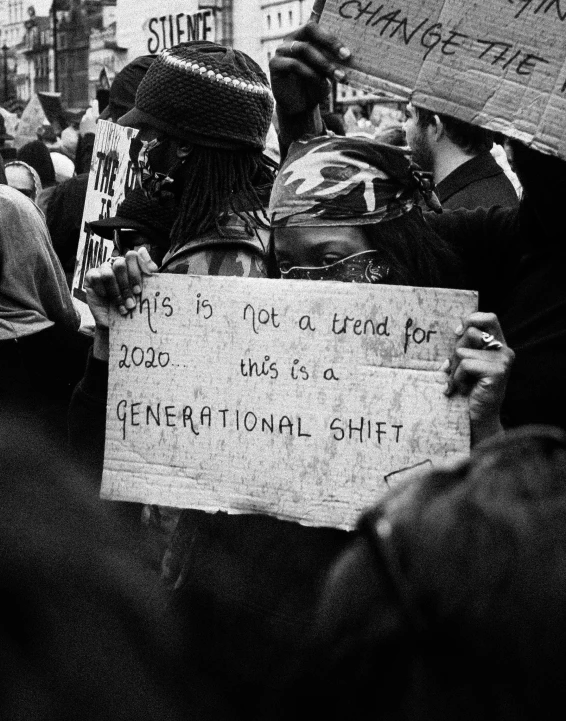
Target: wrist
[485,428]
[101,344]
[299,125]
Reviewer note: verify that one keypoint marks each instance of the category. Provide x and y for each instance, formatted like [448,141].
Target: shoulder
[20,218]
[479,182]
[488,192]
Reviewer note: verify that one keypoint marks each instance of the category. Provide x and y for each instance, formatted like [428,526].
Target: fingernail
[122,310]
[137,289]
[445,366]
[459,330]
[446,390]
[339,74]
[153,266]
[130,303]
[344,53]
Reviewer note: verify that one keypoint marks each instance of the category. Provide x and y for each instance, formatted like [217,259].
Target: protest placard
[111,175]
[53,109]
[148,27]
[301,400]
[500,64]
[33,117]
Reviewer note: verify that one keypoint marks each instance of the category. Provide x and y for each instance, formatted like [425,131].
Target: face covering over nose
[153,183]
[358,268]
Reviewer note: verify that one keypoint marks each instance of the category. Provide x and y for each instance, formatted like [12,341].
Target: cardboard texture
[223,397]
[500,64]
[111,175]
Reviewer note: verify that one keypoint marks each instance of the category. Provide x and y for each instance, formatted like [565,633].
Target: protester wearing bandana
[347,209]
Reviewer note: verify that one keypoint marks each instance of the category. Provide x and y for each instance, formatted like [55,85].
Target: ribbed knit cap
[205,94]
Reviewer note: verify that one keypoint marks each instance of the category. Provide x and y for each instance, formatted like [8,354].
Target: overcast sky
[41,6]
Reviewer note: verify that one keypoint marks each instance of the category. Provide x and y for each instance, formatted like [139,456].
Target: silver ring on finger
[490,343]
[292,44]
[113,259]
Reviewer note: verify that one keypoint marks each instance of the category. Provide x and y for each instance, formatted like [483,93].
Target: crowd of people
[447,601]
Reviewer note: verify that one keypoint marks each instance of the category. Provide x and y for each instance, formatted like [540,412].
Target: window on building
[269,22]
[290,17]
[279,19]
[268,56]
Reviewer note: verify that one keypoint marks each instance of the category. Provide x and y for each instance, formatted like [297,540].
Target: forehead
[293,239]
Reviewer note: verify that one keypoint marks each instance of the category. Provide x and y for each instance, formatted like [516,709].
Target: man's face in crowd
[418,139]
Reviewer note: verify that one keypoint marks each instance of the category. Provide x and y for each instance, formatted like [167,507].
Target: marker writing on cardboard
[550,8]
[431,34]
[154,308]
[195,420]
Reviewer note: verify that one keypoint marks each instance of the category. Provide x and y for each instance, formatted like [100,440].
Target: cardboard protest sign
[301,400]
[33,117]
[111,175]
[500,64]
[146,27]
[53,109]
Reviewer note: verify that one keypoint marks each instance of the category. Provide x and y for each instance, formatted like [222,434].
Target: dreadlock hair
[415,254]
[218,182]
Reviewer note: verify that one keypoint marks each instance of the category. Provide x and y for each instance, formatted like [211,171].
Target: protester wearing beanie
[212,107]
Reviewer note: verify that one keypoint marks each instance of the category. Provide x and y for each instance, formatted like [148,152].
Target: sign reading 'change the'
[500,64]
[301,400]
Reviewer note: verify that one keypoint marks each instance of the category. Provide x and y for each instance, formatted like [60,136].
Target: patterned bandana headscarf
[346,181]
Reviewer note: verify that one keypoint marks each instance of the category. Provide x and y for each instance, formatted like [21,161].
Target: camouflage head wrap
[343,181]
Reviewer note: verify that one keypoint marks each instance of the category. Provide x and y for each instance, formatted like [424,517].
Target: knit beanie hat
[205,94]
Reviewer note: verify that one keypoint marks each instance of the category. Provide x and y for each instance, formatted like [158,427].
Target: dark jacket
[478,183]
[64,215]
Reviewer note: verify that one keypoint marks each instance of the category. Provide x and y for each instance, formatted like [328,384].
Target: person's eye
[330,259]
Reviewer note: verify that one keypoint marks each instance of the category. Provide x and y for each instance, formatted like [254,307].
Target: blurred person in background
[449,603]
[69,142]
[41,352]
[23,177]
[36,154]
[63,166]
[7,152]
[84,631]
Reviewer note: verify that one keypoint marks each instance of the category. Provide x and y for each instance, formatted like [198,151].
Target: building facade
[105,56]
